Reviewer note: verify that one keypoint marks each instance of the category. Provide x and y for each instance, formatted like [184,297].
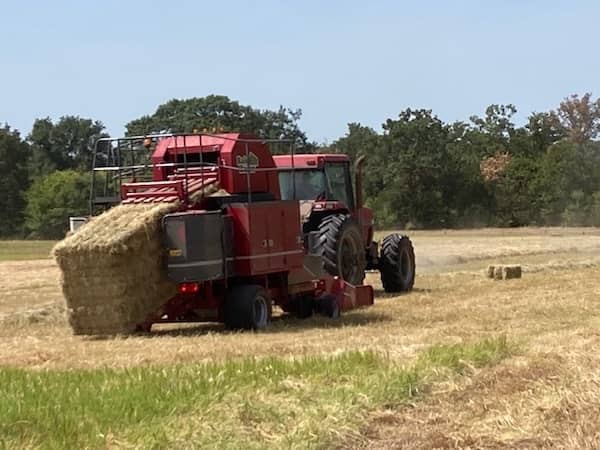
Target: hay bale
[112,269]
[497,272]
[510,272]
[503,272]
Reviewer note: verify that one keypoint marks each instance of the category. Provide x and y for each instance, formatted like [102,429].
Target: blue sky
[339,61]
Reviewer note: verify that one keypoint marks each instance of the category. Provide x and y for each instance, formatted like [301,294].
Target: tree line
[420,172]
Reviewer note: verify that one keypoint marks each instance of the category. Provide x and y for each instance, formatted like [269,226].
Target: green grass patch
[458,357]
[273,402]
[25,250]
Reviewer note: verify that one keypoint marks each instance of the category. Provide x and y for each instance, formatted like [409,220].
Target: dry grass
[26,285]
[549,394]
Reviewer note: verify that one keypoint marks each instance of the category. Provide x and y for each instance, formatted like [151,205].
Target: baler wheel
[397,263]
[342,248]
[248,307]
[303,306]
[329,306]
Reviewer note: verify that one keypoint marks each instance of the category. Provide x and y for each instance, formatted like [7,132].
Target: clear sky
[339,61]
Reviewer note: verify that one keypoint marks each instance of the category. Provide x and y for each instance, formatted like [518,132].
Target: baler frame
[181,187]
[185,177]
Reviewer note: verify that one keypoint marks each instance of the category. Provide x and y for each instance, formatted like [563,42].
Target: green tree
[569,176]
[497,122]
[66,144]
[52,199]
[13,180]
[216,113]
[544,129]
[415,179]
[517,193]
[360,140]
[470,199]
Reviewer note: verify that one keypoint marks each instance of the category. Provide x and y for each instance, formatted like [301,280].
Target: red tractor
[337,226]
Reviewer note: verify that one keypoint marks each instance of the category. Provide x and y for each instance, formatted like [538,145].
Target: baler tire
[329,307]
[335,232]
[397,263]
[247,307]
[303,307]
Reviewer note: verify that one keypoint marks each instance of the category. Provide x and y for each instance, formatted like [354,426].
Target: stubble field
[462,361]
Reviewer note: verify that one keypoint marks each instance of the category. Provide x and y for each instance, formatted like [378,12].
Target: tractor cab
[334,223]
[317,178]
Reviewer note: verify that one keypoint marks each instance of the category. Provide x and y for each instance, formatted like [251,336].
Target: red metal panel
[248,236]
[311,161]
[266,237]
[291,233]
[364,216]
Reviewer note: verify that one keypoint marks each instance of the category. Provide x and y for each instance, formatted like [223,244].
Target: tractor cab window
[339,183]
[309,184]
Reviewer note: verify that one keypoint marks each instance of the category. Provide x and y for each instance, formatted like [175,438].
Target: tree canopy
[217,113]
[66,144]
[420,171]
[52,199]
[14,153]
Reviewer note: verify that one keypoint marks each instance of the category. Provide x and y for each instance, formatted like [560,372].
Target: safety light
[189,288]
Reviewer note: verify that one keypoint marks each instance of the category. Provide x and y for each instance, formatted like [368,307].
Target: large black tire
[342,249]
[303,306]
[397,263]
[329,307]
[247,307]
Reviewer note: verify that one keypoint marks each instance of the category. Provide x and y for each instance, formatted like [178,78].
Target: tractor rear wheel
[397,263]
[247,307]
[342,249]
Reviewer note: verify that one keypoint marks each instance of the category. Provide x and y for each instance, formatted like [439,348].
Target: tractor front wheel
[342,249]
[247,307]
[397,263]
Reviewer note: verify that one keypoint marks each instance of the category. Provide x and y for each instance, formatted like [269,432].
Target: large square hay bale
[112,269]
[503,272]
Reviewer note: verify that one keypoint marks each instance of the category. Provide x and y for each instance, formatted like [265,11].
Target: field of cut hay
[463,361]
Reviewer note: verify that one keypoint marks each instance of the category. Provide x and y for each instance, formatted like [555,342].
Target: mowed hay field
[462,361]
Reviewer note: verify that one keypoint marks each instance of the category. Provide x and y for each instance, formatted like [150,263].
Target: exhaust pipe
[358,180]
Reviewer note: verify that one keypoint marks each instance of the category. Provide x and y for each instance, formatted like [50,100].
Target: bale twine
[504,272]
[112,269]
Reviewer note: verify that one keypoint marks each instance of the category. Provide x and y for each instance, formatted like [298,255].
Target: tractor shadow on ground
[283,323]
[381,294]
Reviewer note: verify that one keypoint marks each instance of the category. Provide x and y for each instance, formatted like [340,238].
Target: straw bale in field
[503,272]
[498,273]
[509,272]
[112,269]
